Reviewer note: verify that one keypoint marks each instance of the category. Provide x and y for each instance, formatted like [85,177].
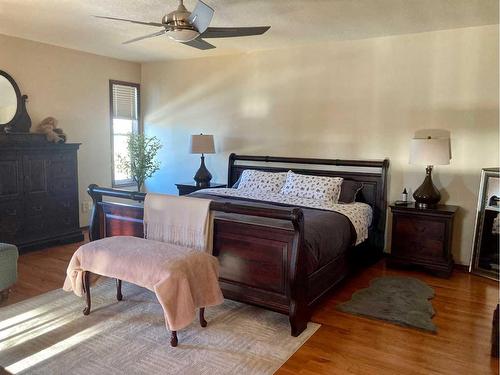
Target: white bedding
[360,214]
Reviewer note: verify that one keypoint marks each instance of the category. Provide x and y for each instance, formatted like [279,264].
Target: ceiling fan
[190,28]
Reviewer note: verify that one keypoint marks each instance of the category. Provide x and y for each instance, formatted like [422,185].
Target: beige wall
[73,87]
[359,99]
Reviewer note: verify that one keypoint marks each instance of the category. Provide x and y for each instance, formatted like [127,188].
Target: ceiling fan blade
[158,33]
[132,21]
[199,44]
[201,16]
[231,32]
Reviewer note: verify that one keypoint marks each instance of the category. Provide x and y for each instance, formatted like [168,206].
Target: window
[124,103]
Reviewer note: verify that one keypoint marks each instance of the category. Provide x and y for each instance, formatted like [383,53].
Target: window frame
[130,182]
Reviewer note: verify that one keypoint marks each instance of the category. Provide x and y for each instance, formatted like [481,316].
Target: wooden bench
[183,279]
[119,296]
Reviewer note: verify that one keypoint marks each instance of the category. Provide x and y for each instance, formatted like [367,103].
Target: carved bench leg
[173,339]
[86,288]
[203,322]
[119,295]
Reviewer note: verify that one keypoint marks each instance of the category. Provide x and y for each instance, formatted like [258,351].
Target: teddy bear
[48,126]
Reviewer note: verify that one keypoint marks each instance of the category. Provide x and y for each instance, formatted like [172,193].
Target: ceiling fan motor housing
[178,26]
[178,19]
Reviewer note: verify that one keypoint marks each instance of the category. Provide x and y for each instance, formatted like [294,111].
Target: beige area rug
[48,334]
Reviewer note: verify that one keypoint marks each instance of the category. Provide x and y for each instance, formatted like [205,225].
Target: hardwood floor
[347,344]
[41,271]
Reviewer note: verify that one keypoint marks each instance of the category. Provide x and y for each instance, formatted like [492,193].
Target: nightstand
[422,237]
[190,187]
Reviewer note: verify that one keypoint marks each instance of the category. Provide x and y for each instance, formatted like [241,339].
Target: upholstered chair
[8,268]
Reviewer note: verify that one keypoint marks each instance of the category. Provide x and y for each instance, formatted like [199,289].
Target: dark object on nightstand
[402,203]
[427,195]
[202,144]
[203,176]
[429,151]
[422,237]
[494,335]
[191,187]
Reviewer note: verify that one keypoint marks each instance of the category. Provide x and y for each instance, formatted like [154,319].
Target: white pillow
[264,181]
[317,187]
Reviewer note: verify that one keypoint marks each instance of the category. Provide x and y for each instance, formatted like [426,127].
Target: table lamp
[202,144]
[429,151]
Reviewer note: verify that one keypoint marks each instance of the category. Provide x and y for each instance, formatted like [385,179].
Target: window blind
[124,102]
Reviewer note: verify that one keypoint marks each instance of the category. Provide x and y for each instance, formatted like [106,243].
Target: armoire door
[63,191]
[37,205]
[11,194]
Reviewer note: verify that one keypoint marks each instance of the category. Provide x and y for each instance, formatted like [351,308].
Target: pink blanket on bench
[182,279]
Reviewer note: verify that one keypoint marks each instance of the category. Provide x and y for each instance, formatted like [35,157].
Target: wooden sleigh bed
[261,250]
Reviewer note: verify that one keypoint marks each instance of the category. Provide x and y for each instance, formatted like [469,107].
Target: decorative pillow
[317,187]
[349,191]
[263,181]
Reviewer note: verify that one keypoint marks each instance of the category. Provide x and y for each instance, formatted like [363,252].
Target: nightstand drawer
[420,230]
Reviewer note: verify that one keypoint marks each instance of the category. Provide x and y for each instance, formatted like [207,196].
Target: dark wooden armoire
[38,192]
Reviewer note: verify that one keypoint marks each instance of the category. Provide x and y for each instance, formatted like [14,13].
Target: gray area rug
[48,334]
[400,300]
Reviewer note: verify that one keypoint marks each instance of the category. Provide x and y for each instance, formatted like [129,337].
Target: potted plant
[140,163]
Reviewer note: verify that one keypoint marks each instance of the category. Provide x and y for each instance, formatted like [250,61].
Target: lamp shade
[430,151]
[202,144]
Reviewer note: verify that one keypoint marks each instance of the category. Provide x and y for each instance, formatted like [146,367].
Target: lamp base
[203,176]
[423,206]
[427,195]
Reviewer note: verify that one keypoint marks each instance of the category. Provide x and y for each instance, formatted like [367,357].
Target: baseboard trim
[456,267]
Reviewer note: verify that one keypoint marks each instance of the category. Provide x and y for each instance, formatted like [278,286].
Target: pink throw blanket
[183,279]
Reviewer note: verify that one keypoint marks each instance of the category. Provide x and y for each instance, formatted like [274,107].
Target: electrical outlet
[86,207]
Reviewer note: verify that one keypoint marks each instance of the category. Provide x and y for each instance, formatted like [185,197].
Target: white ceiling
[69,23]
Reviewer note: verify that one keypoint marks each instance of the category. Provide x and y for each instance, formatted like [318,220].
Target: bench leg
[86,288]
[203,322]
[119,295]
[173,339]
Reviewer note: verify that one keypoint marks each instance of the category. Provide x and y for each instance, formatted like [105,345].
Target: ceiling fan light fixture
[183,35]
[186,27]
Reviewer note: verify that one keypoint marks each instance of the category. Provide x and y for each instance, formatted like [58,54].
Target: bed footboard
[259,264]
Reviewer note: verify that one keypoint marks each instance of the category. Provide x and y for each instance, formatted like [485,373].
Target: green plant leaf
[140,163]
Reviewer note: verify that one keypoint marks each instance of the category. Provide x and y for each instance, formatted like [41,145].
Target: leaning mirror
[485,251]
[8,101]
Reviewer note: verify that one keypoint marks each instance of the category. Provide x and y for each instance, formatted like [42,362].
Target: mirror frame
[478,227]
[21,122]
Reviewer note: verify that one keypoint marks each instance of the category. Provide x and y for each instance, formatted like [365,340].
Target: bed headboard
[372,173]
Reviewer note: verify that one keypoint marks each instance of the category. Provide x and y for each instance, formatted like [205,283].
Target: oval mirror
[8,101]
